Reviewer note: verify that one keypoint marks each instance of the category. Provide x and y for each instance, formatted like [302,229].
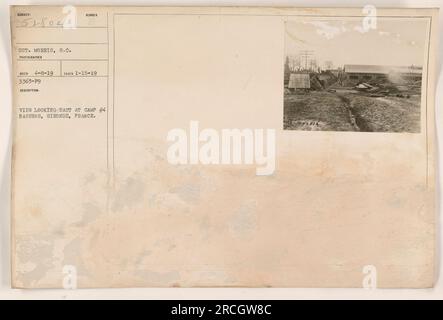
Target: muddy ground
[349,110]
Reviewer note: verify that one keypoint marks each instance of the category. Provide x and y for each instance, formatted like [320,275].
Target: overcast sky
[398,41]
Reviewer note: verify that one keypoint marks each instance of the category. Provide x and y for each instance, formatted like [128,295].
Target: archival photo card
[149,148]
[344,75]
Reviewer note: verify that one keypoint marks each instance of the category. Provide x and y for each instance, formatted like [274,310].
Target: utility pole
[313,64]
[306,55]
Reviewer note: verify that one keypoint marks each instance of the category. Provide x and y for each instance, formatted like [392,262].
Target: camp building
[365,73]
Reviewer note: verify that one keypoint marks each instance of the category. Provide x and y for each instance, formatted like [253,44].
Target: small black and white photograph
[341,76]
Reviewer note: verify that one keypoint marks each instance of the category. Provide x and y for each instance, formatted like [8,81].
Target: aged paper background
[332,171]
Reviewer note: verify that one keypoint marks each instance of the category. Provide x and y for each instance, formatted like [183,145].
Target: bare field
[386,114]
[351,111]
[316,110]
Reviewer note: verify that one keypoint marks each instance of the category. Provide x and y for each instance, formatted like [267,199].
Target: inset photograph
[340,76]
